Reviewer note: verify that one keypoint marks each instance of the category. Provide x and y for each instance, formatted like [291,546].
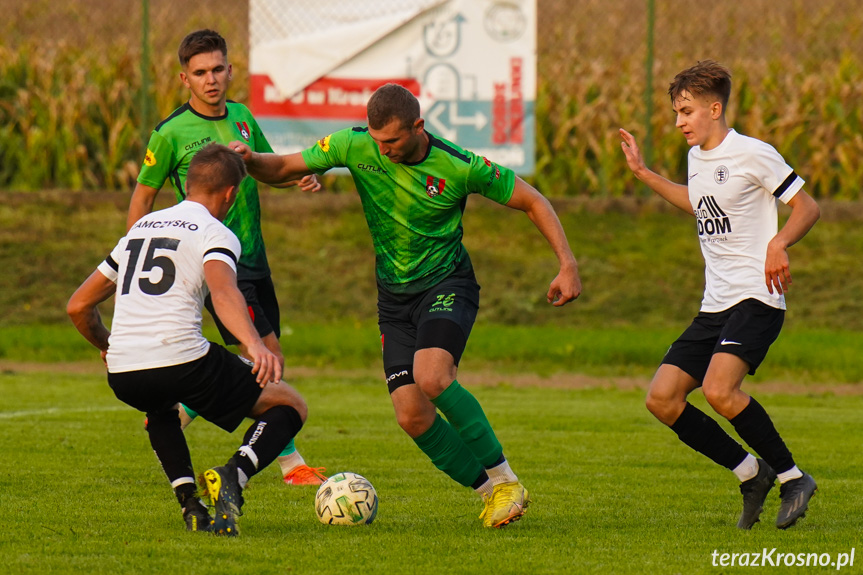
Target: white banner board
[471,64]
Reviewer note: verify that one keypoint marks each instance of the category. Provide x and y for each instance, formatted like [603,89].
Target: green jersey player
[414,186]
[209,117]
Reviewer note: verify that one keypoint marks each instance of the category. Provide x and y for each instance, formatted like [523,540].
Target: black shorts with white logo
[746,329]
[441,316]
[219,386]
[260,295]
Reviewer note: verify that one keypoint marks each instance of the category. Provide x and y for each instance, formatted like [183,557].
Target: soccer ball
[346,499]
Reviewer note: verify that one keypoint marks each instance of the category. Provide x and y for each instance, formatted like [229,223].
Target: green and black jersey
[171,147]
[414,211]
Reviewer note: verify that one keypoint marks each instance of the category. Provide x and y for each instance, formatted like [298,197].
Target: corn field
[70,86]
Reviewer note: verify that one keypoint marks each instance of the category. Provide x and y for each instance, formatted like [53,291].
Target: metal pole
[648,91]
[146,124]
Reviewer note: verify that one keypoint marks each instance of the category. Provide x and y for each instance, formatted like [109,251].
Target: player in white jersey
[734,185]
[157,356]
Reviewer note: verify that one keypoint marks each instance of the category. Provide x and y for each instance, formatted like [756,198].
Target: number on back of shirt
[163,263]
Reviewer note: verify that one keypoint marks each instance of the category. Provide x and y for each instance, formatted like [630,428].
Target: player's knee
[663,407]
[432,382]
[414,423]
[718,396]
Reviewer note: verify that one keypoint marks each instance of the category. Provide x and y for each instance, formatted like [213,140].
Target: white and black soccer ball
[346,499]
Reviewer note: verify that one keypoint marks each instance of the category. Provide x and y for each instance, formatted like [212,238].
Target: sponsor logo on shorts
[402,373]
[444,303]
[727,342]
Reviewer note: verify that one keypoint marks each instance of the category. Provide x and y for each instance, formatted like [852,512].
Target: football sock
[465,414]
[290,458]
[756,429]
[501,473]
[442,444]
[747,469]
[169,444]
[266,438]
[484,486]
[705,436]
[792,473]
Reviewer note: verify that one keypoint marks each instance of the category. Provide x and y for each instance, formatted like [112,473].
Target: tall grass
[69,82]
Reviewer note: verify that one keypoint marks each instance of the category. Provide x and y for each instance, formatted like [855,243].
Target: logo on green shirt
[434,186]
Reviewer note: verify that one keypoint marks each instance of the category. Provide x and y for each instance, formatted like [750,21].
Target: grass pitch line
[60,411]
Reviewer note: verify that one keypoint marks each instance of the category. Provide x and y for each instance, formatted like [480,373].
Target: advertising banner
[471,64]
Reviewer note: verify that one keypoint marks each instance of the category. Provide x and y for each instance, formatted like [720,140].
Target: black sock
[169,443]
[266,438]
[705,436]
[483,477]
[756,429]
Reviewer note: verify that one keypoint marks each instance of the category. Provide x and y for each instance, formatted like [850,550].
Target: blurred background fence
[74,111]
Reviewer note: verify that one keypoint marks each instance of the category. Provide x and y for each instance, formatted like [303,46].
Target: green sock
[289,448]
[449,453]
[465,414]
[189,411]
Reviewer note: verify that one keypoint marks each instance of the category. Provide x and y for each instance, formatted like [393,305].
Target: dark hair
[392,101]
[706,78]
[214,168]
[201,42]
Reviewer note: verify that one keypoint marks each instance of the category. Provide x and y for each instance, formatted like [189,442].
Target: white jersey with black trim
[159,271]
[734,189]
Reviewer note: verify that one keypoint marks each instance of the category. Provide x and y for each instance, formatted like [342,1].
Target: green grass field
[613,490]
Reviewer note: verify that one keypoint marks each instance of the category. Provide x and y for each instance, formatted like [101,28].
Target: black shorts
[219,386]
[746,330]
[263,308]
[442,316]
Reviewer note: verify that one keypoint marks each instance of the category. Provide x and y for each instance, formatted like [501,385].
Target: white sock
[486,488]
[291,461]
[501,473]
[747,469]
[792,473]
[242,478]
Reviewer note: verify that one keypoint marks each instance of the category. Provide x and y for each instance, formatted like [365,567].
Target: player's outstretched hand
[777,269]
[564,288]
[310,183]
[631,151]
[267,366]
[241,148]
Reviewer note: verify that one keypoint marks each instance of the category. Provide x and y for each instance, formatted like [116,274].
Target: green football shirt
[414,211]
[170,149]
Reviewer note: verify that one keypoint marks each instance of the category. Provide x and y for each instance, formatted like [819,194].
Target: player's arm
[567,285]
[84,313]
[272,169]
[675,194]
[804,213]
[143,198]
[308,183]
[231,308]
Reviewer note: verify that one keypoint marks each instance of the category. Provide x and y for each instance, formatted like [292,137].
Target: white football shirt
[734,189]
[159,271]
